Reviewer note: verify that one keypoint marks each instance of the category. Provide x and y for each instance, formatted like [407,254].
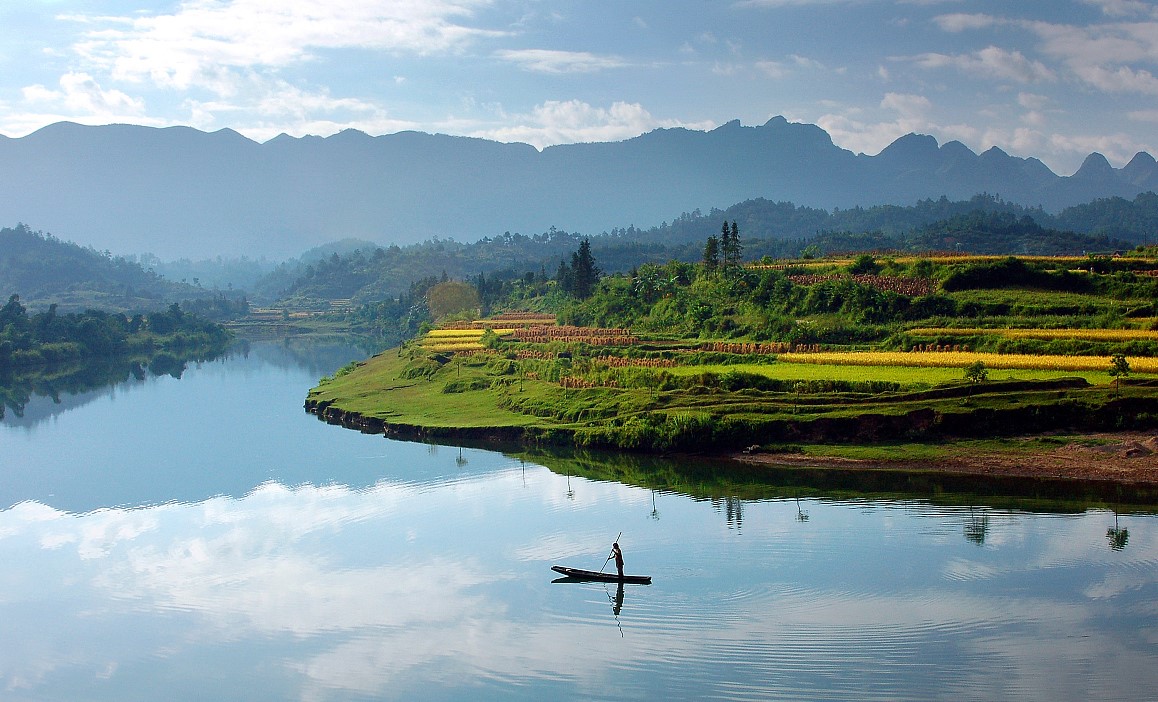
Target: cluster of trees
[725,251]
[48,336]
[580,277]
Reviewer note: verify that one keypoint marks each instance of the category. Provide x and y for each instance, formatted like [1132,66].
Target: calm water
[203,538]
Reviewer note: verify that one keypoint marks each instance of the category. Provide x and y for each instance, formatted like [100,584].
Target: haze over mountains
[181,192]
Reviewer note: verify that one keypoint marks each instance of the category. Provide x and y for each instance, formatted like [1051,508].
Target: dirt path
[1127,457]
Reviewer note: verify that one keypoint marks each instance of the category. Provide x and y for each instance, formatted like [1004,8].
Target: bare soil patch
[1125,457]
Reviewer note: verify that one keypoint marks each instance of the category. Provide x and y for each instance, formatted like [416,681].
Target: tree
[452,297]
[712,254]
[1119,368]
[584,272]
[976,373]
[725,243]
[864,264]
[731,249]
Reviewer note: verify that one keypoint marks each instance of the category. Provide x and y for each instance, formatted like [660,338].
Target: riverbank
[1120,457]
[1068,427]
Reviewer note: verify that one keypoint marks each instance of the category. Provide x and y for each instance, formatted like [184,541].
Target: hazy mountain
[180,192]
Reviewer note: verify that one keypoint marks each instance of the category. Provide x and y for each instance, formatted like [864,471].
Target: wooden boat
[580,574]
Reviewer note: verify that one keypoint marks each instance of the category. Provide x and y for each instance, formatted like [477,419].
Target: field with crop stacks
[450,340]
[1086,334]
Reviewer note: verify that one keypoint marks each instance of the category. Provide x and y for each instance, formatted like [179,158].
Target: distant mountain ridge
[181,192]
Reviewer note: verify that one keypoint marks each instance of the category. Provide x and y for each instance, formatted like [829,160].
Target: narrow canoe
[580,574]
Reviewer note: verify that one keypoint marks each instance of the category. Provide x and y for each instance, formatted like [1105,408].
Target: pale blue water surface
[203,538]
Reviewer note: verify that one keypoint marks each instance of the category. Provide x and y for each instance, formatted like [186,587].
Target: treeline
[983,225]
[1129,221]
[49,337]
[852,304]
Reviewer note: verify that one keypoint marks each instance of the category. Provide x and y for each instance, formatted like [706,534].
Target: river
[202,537]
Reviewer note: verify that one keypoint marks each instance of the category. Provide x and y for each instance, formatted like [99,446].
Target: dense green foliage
[49,337]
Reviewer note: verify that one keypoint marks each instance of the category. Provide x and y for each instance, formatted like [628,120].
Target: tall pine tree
[712,254]
[584,271]
[731,250]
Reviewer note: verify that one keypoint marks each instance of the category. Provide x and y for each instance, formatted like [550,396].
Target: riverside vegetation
[719,355]
[50,354]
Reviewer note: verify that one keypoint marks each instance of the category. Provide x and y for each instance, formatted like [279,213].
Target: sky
[1052,79]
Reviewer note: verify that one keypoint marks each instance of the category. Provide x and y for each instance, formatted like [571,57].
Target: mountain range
[179,192]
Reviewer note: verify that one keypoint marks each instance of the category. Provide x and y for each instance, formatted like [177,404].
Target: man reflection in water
[618,556]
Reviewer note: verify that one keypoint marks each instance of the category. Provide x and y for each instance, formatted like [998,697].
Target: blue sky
[1055,79]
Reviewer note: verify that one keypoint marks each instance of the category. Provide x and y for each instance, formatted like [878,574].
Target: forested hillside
[1132,221]
[982,225]
[44,270]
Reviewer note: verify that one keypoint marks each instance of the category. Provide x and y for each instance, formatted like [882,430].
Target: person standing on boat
[617,554]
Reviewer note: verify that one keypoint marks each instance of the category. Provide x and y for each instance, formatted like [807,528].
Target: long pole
[609,555]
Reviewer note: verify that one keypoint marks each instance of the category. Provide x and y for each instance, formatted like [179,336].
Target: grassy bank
[572,400]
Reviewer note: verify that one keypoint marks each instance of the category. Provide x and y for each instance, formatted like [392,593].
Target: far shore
[1120,457]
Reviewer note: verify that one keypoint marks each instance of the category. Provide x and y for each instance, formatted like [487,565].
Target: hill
[44,270]
[181,192]
[717,356]
[982,225]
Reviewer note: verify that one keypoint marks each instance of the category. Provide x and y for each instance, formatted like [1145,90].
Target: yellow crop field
[442,346]
[462,333]
[1083,334]
[960,359]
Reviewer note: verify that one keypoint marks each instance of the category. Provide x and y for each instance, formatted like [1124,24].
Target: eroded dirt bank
[1122,457]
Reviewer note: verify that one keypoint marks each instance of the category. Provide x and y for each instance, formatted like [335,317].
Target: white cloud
[1124,8]
[852,129]
[907,106]
[1110,57]
[961,22]
[571,121]
[1143,115]
[78,98]
[201,40]
[1119,80]
[772,69]
[1032,101]
[990,62]
[552,61]
[1117,148]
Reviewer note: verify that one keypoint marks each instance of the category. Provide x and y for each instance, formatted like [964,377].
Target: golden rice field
[462,333]
[960,359]
[1048,334]
[445,340]
[442,347]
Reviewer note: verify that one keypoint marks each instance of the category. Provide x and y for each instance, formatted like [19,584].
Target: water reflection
[29,396]
[256,553]
[400,590]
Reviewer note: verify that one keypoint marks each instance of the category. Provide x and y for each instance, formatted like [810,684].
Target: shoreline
[1025,429]
[1125,458]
